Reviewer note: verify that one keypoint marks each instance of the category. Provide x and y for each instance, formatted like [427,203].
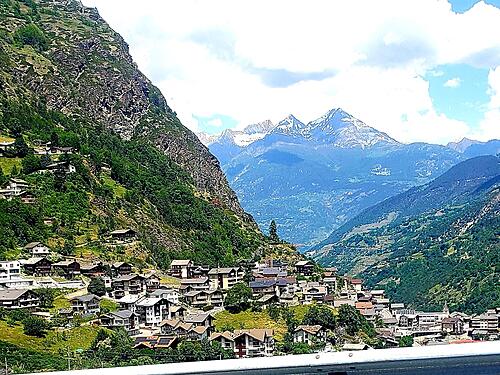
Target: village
[158,314]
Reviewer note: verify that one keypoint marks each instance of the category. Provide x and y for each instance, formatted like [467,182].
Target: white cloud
[216,122]
[489,127]
[377,53]
[453,83]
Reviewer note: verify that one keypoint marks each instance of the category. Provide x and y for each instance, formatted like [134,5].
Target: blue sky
[425,70]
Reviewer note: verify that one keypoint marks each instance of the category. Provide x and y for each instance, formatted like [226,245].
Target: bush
[35,326]
[97,287]
[33,36]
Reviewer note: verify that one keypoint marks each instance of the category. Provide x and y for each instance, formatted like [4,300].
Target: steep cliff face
[85,70]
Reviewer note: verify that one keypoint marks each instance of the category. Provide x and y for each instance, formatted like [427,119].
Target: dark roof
[11,294]
[124,314]
[85,297]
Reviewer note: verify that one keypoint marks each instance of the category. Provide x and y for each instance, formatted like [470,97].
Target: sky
[426,70]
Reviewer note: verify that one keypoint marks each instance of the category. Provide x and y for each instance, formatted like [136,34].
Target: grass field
[249,319]
[8,163]
[72,339]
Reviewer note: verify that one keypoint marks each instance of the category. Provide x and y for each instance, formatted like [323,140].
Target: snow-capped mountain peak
[340,129]
[290,125]
[260,127]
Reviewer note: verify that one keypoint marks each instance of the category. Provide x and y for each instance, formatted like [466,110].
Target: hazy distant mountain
[472,148]
[432,243]
[311,178]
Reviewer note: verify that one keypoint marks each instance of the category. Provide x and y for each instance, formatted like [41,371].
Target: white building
[9,270]
[152,310]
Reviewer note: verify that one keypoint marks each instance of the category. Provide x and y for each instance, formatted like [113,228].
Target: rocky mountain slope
[434,243]
[312,178]
[67,78]
[471,148]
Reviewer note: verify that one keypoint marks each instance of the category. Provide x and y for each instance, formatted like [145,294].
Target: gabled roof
[196,318]
[257,333]
[183,326]
[180,262]
[123,314]
[313,330]
[129,298]
[11,294]
[35,260]
[199,280]
[31,245]
[122,231]
[364,305]
[226,334]
[149,301]
[170,322]
[85,297]
[200,330]
[303,263]
[127,277]
[222,271]
[64,263]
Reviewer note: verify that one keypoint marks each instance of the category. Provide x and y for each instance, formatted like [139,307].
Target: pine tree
[273,234]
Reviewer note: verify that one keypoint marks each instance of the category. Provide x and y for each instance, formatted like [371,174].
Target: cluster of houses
[160,316]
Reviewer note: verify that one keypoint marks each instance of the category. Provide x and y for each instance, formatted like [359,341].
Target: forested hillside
[71,94]
[433,244]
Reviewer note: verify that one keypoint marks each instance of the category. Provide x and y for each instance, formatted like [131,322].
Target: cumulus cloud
[453,83]
[252,60]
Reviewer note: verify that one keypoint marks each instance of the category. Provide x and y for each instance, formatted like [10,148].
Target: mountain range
[67,80]
[312,178]
[434,243]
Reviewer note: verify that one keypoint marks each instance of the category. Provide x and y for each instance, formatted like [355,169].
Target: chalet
[330,272]
[93,270]
[68,268]
[272,272]
[9,270]
[58,167]
[331,284]
[177,311]
[487,321]
[225,278]
[167,326]
[60,150]
[200,319]
[309,334]
[121,268]
[181,268]
[13,299]
[128,302]
[201,298]
[264,286]
[155,342]
[200,271]
[247,342]
[6,145]
[127,284]
[27,197]
[199,333]
[123,235]
[37,266]
[182,329]
[454,326]
[201,283]
[267,300]
[313,292]
[290,299]
[357,284]
[304,267]
[37,249]
[152,282]
[87,304]
[15,187]
[171,295]
[152,311]
[125,319]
